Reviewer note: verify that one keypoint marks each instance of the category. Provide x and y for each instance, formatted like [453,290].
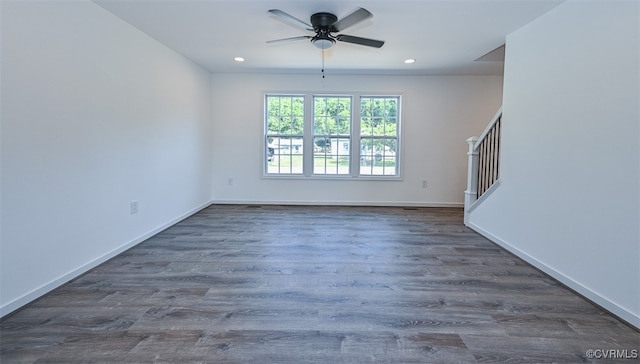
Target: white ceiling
[445,36]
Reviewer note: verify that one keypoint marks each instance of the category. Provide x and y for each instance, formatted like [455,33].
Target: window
[331,135]
[284,137]
[378,135]
[321,136]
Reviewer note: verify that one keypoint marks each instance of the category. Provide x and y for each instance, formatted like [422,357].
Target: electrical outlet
[230,181]
[133,206]
[424,183]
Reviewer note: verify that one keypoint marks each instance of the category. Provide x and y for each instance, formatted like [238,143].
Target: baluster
[488,159]
[483,165]
[497,153]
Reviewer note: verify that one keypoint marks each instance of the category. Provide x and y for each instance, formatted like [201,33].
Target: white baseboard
[622,313]
[340,203]
[46,288]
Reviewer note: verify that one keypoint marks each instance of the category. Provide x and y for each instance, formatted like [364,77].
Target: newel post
[470,195]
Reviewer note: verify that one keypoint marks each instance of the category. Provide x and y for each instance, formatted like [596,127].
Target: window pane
[297,125]
[342,126]
[392,107]
[273,106]
[319,126]
[365,126]
[320,106]
[390,127]
[331,155]
[377,108]
[378,126]
[378,157]
[285,155]
[298,106]
[273,124]
[344,109]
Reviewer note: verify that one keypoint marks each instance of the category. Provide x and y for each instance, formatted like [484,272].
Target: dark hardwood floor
[295,284]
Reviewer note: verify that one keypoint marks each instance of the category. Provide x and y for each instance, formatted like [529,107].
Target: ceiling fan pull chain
[323,63]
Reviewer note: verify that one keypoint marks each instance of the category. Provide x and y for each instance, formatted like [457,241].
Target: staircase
[483,173]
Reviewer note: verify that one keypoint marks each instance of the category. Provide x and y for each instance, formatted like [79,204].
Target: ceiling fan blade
[351,19]
[362,41]
[291,19]
[290,39]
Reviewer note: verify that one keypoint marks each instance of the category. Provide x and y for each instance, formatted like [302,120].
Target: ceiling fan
[323,24]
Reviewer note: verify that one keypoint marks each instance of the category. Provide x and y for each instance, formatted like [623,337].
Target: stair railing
[483,170]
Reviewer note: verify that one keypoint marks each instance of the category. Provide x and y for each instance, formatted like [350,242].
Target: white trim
[340,203]
[612,307]
[46,288]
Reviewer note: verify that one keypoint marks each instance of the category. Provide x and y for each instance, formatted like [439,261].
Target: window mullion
[356,119]
[308,135]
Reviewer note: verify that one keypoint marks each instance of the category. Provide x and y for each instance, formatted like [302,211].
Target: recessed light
[238,59]
[409,61]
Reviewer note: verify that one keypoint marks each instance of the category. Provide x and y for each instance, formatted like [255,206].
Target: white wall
[95,114]
[439,113]
[570,197]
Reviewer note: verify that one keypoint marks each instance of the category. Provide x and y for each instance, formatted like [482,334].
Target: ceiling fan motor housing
[323,20]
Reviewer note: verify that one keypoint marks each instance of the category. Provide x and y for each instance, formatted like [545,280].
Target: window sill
[332,178]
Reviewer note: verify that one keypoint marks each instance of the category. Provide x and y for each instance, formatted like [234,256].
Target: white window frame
[267,135]
[383,138]
[337,136]
[308,140]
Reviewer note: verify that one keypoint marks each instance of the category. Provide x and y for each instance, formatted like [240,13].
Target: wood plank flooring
[297,284]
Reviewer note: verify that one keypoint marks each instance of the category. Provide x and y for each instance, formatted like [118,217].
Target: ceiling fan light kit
[323,43]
